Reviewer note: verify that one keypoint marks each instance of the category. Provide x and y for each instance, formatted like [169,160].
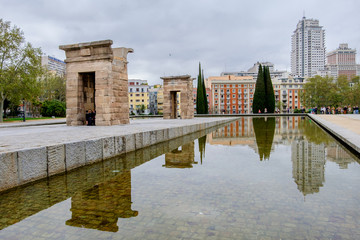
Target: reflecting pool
[255,178]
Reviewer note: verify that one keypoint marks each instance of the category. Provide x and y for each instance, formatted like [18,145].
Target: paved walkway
[345,126]
[17,138]
[29,123]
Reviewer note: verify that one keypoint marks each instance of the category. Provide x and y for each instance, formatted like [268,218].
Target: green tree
[269,91]
[319,91]
[53,87]
[355,79]
[206,107]
[20,66]
[53,108]
[200,101]
[259,95]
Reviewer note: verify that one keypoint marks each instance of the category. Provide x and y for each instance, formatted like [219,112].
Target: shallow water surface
[256,178]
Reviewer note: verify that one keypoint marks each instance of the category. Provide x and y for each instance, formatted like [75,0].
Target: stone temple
[97,80]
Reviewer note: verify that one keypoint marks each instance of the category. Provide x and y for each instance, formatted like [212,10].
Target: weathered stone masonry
[96,79]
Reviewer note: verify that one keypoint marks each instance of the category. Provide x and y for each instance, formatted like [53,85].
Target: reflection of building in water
[336,153]
[181,157]
[308,165]
[286,130]
[240,132]
[101,206]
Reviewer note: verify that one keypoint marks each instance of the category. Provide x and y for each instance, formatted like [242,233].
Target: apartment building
[231,94]
[307,48]
[138,96]
[342,61]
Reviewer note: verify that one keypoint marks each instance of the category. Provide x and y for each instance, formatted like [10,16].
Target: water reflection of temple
[181,157]
[100,206]
[308,161]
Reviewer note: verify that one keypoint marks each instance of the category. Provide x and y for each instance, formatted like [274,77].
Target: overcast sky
[170,37]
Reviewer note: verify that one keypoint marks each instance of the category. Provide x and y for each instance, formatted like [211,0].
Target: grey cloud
[223,34]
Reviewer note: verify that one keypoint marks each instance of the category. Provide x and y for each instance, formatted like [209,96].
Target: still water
[256,178]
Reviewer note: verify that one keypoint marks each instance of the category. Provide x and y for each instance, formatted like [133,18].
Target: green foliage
[53,87]
[201,100]
[264,129]
[20,66]
[53,108]
[204,92]
[319,91]
[324,91]
[259,95]
[269,91]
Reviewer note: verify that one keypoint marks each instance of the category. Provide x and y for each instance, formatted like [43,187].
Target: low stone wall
[27,165]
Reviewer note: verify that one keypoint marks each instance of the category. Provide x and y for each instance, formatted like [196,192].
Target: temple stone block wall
[172,85]
[97,80]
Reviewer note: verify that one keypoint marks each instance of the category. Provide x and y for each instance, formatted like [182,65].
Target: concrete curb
[27,165]
[345,136]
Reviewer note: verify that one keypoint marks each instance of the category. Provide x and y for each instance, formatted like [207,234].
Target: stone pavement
[30,153]
[32,135]
[346,127]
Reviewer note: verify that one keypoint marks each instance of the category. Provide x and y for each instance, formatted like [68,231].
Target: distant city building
[307,48]
[231,94]
[342,61]
[153,98]
[253,71]
[53,64]
[287,92]
[138,96]
[160,100]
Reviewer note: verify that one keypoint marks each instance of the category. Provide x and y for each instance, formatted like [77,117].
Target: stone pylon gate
[173,85]
[97,80]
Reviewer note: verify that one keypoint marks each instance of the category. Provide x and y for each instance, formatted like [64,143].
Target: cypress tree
[269,91]
[259,95]
[199,94]
[206,109]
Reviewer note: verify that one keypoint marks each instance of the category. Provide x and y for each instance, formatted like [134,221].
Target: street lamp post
[23,110]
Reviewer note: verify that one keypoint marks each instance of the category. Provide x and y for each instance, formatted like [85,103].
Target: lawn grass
[17,119]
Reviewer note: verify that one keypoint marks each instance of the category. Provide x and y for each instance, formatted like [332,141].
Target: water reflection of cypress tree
[264,129]
[202,143]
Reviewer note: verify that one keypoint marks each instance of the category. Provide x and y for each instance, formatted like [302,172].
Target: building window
[233,96]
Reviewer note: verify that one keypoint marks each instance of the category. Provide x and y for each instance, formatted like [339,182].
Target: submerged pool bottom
[289,180]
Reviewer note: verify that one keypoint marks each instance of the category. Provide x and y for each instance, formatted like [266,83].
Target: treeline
[24,80]
[325,91]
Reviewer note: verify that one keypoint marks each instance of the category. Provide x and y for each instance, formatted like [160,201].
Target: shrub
[53,108]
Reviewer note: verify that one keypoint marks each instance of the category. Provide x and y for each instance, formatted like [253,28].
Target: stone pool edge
[345,136]
[27,165]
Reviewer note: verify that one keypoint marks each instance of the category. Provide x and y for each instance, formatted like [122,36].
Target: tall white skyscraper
[307,48]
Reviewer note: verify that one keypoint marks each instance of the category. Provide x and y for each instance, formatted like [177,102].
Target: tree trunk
[2,99]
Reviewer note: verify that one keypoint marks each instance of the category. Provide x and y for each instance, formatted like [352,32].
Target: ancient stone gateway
[173,85]
[97,80]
